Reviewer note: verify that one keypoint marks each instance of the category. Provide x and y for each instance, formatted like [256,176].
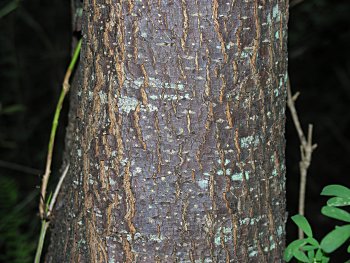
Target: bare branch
[57,190]
[306,149]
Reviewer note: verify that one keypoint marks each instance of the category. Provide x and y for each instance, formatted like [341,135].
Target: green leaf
[336,190]
[299,255]
[325,259]
[348,250]
[312,241]
[319,255]
[303,224]
[12,109]
[336,213]
[339,201]
[295,245]
[8,8]
[335,238]
[309,248]
[311,255]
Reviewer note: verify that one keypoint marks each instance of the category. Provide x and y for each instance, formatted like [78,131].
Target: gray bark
[176,135]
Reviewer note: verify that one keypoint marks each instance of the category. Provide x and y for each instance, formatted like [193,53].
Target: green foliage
[8,8]
[15,246]
[309,249]
[303,224]
[11,109]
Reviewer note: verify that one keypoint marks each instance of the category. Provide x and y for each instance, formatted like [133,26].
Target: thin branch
[57,190]
[306,149]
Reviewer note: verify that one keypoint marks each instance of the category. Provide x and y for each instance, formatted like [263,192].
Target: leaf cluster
[309,249]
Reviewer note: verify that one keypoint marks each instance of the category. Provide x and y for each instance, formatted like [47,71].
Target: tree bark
[176,135]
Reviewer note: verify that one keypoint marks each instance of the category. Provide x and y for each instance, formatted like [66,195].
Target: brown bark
[176,138]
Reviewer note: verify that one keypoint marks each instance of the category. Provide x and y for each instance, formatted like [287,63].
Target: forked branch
[306,149]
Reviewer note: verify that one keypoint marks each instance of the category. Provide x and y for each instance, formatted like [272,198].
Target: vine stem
[306,149]
[46,206]
[64,91]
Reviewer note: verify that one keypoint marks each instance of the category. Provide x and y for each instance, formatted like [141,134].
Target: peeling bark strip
[176,134]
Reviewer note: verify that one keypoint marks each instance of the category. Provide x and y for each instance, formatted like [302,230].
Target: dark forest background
[35,46]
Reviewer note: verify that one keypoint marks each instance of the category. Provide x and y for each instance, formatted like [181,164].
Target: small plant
[309,249]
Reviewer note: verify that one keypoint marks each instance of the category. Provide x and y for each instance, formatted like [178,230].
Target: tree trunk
[176,135]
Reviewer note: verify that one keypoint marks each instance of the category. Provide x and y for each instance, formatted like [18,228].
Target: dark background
[35,42]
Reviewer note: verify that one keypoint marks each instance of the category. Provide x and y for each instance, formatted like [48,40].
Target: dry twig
[306,149]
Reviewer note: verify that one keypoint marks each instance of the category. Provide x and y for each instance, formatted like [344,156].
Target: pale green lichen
[226,232]
[239,176]
[156,238]
[280,86]
[81,242]
[187,96]
[244,221]
[112,182]
[203,184]
[152,107]
[273,246]
[249,140]
[244,54]
[127,104]
[274,172]
[124,161]
[253,250]
[90,95]
[276,13]
[103,97]
[220,172]
[253,253]
[152,82]
[277,35]
[249,220]
[138,170]
[279,230]
[281,83]
[269,21]
[138,82]
[129,237]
